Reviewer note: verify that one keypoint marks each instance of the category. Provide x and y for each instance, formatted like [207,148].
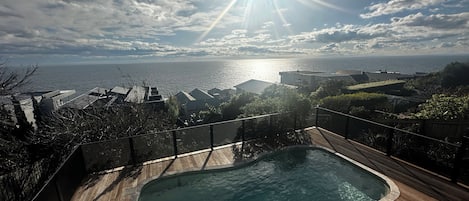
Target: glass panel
[332,122]
[193,139]
[464,174]
[227,133]
[432,155]
[106,155]
[368,134]
[257,128]
[153,146]
[282,123]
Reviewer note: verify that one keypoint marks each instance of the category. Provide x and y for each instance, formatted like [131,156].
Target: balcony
[423,168]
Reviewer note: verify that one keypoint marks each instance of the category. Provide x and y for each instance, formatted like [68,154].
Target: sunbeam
[216,21]
[282,18]
[314,3]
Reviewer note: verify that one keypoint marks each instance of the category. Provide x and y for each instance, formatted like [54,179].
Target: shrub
[343,103]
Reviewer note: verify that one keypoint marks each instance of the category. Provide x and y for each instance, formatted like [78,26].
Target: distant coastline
[171,77]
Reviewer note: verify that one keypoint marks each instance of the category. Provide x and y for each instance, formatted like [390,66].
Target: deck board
[413,182]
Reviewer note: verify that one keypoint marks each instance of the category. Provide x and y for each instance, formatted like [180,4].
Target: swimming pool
[293,174]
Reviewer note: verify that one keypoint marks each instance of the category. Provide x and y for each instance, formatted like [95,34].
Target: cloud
[341,34]
[396,6]
[437,21]
[333,47]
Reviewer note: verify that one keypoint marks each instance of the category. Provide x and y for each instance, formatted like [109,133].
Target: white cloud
[437,21]
[396,6]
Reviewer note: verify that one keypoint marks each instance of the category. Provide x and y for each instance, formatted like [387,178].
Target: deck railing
[98,156]
[104,155]
[447,159]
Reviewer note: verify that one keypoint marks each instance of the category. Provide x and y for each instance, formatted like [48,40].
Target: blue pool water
[293,174]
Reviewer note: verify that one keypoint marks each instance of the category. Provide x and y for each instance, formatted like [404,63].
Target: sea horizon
[174,76]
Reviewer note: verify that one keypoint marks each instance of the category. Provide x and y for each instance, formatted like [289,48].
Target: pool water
[293,174]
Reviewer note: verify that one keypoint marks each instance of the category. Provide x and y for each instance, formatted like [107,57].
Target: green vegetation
[358,103]
[444,107]
[374,84]
[278,98]
[329,88]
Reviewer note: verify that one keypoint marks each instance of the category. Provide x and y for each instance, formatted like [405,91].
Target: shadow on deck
[414,183]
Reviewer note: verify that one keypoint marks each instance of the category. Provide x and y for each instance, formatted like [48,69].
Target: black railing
[445,158]
[104,155]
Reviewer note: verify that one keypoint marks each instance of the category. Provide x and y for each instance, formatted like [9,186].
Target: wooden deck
[413,182]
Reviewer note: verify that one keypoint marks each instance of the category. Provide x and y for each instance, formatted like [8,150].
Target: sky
[61,31]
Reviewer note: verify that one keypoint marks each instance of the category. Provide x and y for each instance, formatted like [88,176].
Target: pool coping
[392,194]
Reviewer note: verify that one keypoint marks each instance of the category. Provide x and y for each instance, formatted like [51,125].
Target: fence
[448,159]
[451,130]
[445,158]
[105,155]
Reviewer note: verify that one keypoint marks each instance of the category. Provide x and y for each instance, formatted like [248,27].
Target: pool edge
[393,193]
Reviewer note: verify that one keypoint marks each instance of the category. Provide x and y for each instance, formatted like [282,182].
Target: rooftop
[375,84]
[200,95]
[254,86]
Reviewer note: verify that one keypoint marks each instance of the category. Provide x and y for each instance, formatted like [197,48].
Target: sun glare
[258,10]
[214,23]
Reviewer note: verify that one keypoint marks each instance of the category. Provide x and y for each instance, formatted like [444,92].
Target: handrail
[53,179]
[389,127]
[185,128]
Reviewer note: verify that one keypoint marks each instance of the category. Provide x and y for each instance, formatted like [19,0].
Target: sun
[251,10]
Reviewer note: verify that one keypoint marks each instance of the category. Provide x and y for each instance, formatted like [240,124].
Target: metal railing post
[132,151]
[211,137]
[389,142]
[175,146]
[243,130]
[347,123]
[459,156]
[270,123]
[317,117]
[294,120]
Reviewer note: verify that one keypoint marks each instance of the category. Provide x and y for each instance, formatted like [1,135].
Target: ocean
[172,77]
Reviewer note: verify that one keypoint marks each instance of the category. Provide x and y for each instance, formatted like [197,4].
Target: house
[312,80]
[195,101]
[136,95]
[222,95]
[253,86]
[101,97]
[200,95]
[85,100]
[53,100]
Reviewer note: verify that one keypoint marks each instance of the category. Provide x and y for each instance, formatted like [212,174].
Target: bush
[345,102]
[445,107]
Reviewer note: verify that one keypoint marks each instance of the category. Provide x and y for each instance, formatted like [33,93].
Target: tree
[329,88]
[232,109]
[455,74]
[12,80]
[279,99]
